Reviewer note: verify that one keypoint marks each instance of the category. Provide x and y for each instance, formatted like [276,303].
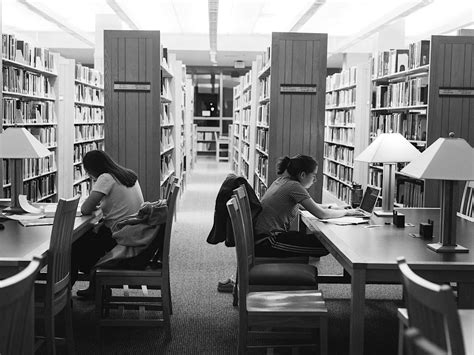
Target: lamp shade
[19,143]
[446,159]
[389,148]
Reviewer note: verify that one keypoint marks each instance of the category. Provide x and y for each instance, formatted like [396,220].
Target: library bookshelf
[345,130]
[143,102]
[423,93]
[30,86]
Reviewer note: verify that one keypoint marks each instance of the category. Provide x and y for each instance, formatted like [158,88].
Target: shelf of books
[400,80]
[168,123]
[88,122]
[29,100]
[236,126]
[260,180]
[344,132]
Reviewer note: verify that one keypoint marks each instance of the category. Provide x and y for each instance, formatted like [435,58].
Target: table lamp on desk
[17,143]
[449,160]
[389,149]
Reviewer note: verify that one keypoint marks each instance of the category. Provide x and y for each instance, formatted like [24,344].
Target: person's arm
[320,212]
[92,202]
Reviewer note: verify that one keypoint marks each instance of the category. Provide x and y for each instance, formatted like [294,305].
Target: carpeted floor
[204,321]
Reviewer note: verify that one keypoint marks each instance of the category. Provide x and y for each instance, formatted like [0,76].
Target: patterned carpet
[204,321]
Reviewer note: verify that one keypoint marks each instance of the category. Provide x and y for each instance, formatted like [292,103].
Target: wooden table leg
[466,295]
[357,312]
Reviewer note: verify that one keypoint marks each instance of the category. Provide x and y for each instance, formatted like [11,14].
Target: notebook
[368,202]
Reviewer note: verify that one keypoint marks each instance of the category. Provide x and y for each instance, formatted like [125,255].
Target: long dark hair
[296,165]
[97,162]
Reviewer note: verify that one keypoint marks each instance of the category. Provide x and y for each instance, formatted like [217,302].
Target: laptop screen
[369,199]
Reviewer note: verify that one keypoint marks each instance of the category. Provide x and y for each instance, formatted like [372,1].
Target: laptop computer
[368,202]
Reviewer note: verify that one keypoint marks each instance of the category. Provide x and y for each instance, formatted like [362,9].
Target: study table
[369,255]
[18,244]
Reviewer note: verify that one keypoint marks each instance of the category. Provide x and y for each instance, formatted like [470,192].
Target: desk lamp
[17,143]
[449,160]
[389,149]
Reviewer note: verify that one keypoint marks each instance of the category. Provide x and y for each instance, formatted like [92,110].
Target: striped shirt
[280,206]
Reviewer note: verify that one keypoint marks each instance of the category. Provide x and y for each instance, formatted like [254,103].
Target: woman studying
[280,207]
[117,193]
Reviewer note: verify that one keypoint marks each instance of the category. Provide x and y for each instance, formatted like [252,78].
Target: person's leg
[289,244]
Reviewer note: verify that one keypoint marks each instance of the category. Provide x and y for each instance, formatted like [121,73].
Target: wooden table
[19,244]
[369,256]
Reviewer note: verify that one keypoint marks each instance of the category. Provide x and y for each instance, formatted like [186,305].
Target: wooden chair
[293,273]
[417,344]
[432,309]
[54,295]
[303,309]
[16,311]
[155,276]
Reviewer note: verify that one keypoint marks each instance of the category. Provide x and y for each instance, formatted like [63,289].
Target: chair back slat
[242,249]
[417,344]
[59,253]
[244,204]
[432,309]
[16,311]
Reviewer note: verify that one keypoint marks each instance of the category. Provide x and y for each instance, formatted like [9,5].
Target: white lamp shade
[19,143]
[389,148]
[445,159]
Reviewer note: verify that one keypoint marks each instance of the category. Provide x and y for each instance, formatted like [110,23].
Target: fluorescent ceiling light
[121,14]
[315,6]
[169,16]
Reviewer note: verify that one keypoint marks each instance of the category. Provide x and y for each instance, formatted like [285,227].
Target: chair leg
[235,291]
[165,298]
[49,332]
[169,292]
[98,306]
[401,330]
[323,335]
[69,329]
[243,336]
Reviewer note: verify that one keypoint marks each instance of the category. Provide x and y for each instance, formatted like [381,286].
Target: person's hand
[352,212]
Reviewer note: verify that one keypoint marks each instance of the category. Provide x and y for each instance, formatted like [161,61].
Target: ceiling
[233,29]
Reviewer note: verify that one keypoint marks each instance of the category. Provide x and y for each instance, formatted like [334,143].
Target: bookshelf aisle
[29,100]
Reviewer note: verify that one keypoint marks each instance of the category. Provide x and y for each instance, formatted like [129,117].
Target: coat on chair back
[222,228]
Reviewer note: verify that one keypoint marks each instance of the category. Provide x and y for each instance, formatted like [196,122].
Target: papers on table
[37,222]
[25,205]
[345,220]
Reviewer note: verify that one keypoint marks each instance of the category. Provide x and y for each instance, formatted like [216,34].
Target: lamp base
[440,248]
[381,213]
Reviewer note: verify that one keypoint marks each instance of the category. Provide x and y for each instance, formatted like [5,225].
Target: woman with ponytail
[280,207]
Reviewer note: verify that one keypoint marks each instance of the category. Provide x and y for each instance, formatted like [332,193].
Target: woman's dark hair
[296,165]
[97,162]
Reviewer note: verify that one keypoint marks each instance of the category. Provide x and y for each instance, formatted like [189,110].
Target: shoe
[86,293]
[226,286]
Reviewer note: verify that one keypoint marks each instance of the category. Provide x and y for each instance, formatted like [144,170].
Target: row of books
[89,95]
[40,166]
[339,153]
[89,75]
[81,149]
[340,118]
[400,60]
[344,135]
[260,187]
[86,114]
[244,169]
[204,147]
[205,136]
[410,125]
[245,152]
[166,118]
[341,191]
[376,177]
[408,93]
[237,103]
[165,87]
[46,135]
[264,88]
[87,132]
[21,81]
[346,77]
[467,203]
[245,115]
[79,173]
[18,111]
[261,166]
[167,166]
[167,140]
[246,98]
[246,79]
[82,188]
[25,53]
[266,57]
[341,98]
[40,188]
[338,171]
[262,139]
[263,114]
[410,193]
[245,133]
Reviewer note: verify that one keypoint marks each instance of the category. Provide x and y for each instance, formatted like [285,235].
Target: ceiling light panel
[429,18]
[259,16]
[169,16]
[347,17]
